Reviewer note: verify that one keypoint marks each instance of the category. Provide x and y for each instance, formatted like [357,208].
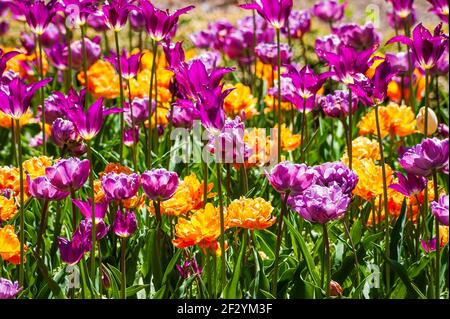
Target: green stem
[94,227]
[385,197]
[119,69]
[427,101]
[302,133]
[327,258]
[42,226]
[123,268]
[85,68]
[222,225]
[133,125]
[150,100]
[279,94]
[438,239]
[350,129]
[278,246]
[69,60]
[21,211]
[41,95]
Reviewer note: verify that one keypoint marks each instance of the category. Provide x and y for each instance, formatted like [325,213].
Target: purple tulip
[77,12]
[276,12]
[57,57]
[376,90]
[409,184]
[209,59]
[268,54]
[189,268]
[358,37]
[129,64]
[38,14]
[442,65]
[100,209]
[440,8]
[55,107]
[137,20]
[90,123]
[287,177]
[329,43]
[336,173]
[125,224]
[264,32]
[115,13]
[306,84]
[319,204]
[85,231]
[399,23]
[398,61]
[184,113]
[120,186]
[65,136]
[4,28]
[402,8]
[443,130]
[158,23]
[16,96]
[288,92]
[336,105]
[421,159]
[299,24]
[4,58]
[9,289]
[235,47]
[428,245]
[41,188]
[93,52]
[96,21]
[131,136]
[72,251]
[329,10]
[427,49]
[174,54]
[210,105]
[68,174]
[440,209]
[52,35]
[140,110]
[228,143]
[159,184]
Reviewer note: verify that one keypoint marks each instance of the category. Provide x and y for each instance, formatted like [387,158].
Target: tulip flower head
[125,224]
[159,184]
[287,177]
[68,174]
[9,289]
[409,184]
[440,209]
[276,12]
[41,188]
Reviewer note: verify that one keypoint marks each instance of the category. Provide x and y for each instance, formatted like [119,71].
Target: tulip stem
[42,226]
[438,239]
[69,59]
[279,95]
[133,125]
[385,197]
[302,133]
[278,246]
[150,100]
[119,69]
[85,68]
[94,226]
[13,143]
[123,268]
[327,258]
[222,225]
[21,212]
[41,94]
[427,101]
[410,70]
[349,129]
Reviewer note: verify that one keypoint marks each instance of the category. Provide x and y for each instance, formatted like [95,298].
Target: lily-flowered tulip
[409,184]
[93,52]
[125,224]
[329,10]
[68,174]
[421,159]
[159,184]
[319,204]
[299,24]
[38,14]
[72,250]
[184,113]
[115,13]
[9,289]
[4,58]
[276,12]
[85,207]
[41,188]
[16,96]
[402,8]
[358,37]
[120,186]
[140,110]
[306,84]
[77,11]
[129,64]
[160,24]
[287,177]
[440,8]
[427,49]
[90,123]
[440,209]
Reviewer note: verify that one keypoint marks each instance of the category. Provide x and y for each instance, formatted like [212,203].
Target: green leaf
[397,234]
[133,290]
[306,255]
[231,289]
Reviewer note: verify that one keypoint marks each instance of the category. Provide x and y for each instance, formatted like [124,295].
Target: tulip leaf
[231,289]
[397,234]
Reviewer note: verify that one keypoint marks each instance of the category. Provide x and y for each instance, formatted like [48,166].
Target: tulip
[125,224]
[41,188]
[267,53]
[440,8]
[329,10]
[120,186]
[68,175]
[440,209]
[159,184]
[290,178]
[432,121]
[115,13]
[336,173]
[276,12]
[9,289]
[129,66]
[409,184]
[85,207]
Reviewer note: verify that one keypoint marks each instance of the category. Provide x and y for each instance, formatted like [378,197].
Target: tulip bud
[432,121]
[335,289]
